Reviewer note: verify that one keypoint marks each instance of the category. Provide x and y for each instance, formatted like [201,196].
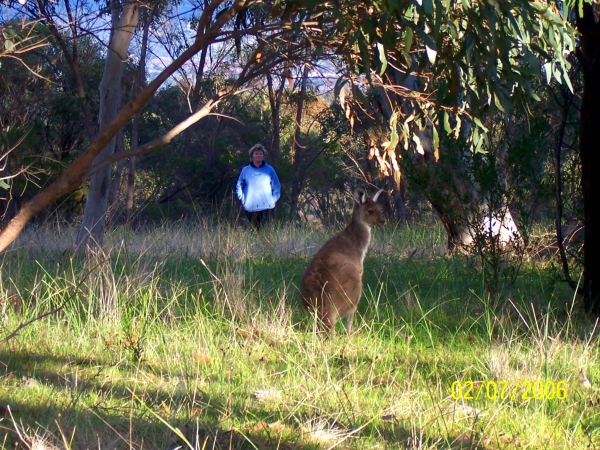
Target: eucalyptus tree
[441,67]
[124,22]
[17,111]
[67,24]
[147,15]
[443,70]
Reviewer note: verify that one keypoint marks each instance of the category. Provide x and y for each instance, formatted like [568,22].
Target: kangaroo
[332,283]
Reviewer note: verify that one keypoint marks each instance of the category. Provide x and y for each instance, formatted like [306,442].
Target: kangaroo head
[366,209]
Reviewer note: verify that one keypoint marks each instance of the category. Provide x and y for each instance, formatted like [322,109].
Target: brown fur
[332,283]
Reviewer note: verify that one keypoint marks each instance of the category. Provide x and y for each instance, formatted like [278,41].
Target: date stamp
[505,390]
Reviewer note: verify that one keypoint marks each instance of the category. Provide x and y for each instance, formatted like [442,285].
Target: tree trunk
[130,185]
[91,232]
[115,185]
[195,101]
[147,17]
[589,153]
[275,103]
[299,149]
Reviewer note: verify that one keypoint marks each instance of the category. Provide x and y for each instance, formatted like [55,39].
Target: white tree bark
[92,228]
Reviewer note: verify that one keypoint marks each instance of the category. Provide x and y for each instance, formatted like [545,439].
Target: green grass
[194,335]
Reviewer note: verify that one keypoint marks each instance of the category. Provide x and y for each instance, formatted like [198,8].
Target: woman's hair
[257,147]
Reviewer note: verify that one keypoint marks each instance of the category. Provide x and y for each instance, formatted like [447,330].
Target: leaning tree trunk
[91,232]
[589,56]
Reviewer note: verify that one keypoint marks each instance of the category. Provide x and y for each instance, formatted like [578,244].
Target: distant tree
[148,13]
[66,37]
[23,75]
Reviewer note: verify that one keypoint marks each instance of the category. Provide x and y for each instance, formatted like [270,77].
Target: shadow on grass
[83,410]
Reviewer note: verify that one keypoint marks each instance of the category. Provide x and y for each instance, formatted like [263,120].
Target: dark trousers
[259,218]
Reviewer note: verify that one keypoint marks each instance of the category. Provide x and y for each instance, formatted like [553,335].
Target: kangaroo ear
[376,195]
[360,195]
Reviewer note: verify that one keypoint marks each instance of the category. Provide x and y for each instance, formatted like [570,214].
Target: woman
[258,187]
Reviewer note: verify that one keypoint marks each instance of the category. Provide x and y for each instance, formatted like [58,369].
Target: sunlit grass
[193,335]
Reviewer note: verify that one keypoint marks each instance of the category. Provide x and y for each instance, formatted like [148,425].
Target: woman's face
[257,157]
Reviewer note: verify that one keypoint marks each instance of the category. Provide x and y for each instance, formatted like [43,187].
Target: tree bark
[91,232]
[588,55]
[115,185]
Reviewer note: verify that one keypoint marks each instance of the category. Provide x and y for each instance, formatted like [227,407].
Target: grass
[194,336]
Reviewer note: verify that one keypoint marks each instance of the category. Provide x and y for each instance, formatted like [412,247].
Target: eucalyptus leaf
[457,129]
[382,58]
[479,124]
[364,53]
[427,40]
[339,84]
[568,82]
[393,132]
[548,71]
[408,38]
[446,121]
[9,32]
[498,103]
[439,11]
[557,73]
[406,132]
[436,138]
[431,54]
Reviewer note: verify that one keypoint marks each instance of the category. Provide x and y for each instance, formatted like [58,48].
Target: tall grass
[194,336]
